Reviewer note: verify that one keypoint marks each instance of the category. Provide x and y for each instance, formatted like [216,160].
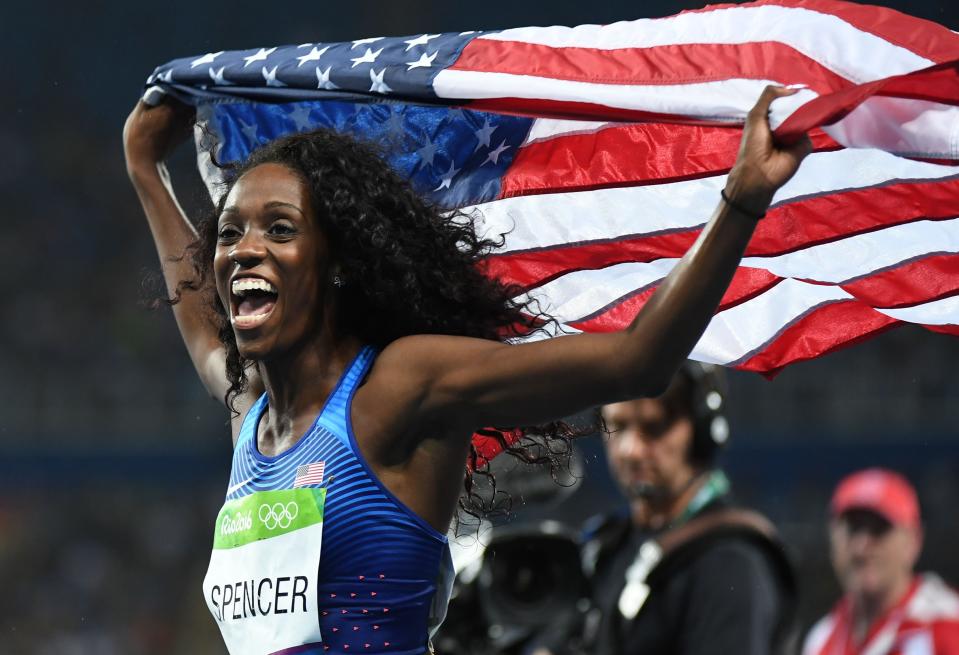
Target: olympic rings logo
[278,515]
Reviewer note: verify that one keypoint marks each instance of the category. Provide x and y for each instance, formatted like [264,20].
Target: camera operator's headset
[708,404]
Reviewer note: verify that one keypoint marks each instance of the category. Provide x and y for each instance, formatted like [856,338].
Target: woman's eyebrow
[233,209]
[278,203]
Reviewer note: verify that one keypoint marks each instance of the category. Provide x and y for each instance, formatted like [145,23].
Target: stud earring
[338,281]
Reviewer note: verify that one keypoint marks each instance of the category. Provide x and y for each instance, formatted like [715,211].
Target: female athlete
[344,322]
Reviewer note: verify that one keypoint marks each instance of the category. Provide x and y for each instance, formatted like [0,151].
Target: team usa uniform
[924,622]
[381,577]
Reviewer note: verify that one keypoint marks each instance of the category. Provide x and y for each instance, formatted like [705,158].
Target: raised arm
[470,383]
[149,136]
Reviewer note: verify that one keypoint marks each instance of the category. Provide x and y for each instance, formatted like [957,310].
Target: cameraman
[683,572]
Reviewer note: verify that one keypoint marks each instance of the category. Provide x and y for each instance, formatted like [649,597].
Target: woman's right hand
[151,133]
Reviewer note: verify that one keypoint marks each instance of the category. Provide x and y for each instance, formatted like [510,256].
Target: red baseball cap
[886,493]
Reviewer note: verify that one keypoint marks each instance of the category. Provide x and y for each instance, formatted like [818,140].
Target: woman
[353,413]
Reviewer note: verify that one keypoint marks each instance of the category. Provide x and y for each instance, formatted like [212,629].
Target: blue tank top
[381,565]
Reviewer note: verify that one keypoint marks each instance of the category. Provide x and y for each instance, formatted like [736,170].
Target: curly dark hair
[404,258]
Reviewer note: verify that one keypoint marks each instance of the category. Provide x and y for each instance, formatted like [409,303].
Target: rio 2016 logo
[238,522]
[278,515]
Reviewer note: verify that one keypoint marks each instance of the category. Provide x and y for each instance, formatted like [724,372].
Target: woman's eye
[227,232]
[282,229]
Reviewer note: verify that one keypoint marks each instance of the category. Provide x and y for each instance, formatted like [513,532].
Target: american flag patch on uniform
[309,474]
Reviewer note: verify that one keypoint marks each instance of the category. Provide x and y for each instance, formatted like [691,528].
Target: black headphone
[707,396]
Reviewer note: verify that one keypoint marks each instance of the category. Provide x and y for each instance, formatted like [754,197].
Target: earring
[338,281]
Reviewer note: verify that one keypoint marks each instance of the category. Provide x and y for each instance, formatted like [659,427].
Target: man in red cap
[886,609]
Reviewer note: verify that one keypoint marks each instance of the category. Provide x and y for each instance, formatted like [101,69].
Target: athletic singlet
[366,568]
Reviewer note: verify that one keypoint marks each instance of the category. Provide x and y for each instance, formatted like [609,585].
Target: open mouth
[252,302]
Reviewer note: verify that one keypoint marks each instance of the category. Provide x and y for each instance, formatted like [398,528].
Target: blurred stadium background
[113,461]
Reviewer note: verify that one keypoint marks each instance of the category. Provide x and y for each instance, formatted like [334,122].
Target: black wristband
[740,209]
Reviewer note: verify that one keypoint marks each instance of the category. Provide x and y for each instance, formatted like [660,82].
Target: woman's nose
[248,251]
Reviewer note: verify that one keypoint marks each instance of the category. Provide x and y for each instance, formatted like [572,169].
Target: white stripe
[545,220]
[834,43]
[575,295]
[742,330]
[862,254]
[937,312]
[544,129]
[913,128]
[726,100]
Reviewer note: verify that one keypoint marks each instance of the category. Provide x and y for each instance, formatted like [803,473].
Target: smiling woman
[347,325]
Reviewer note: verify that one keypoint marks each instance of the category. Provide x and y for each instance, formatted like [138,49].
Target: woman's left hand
[763,165]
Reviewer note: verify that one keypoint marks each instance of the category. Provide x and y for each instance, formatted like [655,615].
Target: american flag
[309,474]
[601,150]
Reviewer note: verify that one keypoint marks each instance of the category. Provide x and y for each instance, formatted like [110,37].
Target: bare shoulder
[411,376]
[427,353]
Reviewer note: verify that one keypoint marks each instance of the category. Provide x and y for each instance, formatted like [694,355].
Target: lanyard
[716,485]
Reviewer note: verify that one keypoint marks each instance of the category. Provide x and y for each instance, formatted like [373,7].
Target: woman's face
[272,262]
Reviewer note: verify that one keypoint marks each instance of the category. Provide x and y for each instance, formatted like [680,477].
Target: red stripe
[667,64]
[626,155]
[797,225]
[785,229]
[944,329]
[936,84]
[747,283]
[823,330]
[923,280]
[532,268]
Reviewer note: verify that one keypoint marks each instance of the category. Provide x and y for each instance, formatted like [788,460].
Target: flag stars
[394,124]
[250,132]
[445,181]
[312,55]
[483,134]
[208,58]
[269,76]
[366,41]
[425,61]
[494,154]
[166,76]
[260,55]
[378,86]
[217,76]
[427,152]
[420,40]
[323,79]
[368,57]
[301,117]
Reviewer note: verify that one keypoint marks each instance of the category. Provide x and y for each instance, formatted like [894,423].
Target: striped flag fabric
[600,151]
[307,474]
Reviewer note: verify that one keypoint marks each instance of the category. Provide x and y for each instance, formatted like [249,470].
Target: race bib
[261,584]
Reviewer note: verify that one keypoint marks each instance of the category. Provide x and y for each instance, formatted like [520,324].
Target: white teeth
[242,286]
[250,318]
